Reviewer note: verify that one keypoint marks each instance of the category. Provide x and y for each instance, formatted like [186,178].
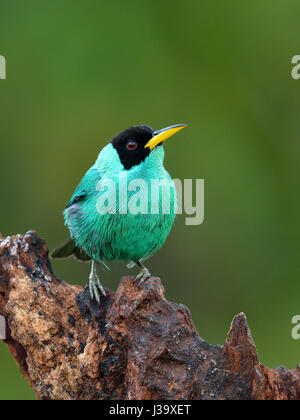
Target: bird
[99,235]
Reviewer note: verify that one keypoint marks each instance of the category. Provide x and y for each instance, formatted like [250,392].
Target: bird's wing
[84,189]
[76,198]
[86,186]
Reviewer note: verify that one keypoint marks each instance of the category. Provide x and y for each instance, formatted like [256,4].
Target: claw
[94,285]
[143,275]
[100,286]
[91,290]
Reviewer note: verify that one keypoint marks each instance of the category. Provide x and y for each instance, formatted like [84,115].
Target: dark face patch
[130,145]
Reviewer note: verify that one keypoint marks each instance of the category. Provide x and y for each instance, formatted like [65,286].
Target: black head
[130,145]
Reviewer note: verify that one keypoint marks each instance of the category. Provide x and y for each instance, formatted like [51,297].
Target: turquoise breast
[124,237]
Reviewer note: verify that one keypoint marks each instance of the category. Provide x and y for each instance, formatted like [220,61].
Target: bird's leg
[94,284]
[144,274]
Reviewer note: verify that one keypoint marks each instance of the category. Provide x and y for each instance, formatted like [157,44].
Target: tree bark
[136,345]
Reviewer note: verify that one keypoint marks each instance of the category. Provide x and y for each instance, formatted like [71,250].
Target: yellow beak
[164,134]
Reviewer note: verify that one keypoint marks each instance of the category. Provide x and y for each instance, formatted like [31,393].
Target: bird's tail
[68,249]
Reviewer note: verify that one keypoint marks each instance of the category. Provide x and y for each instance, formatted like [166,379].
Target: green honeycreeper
[100,236]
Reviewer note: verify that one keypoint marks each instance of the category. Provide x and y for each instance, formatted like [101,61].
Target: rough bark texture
[137,345]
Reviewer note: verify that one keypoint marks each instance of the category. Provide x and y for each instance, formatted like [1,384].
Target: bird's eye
[131,145]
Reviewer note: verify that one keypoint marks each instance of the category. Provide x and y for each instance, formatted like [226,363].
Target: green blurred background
[78,72]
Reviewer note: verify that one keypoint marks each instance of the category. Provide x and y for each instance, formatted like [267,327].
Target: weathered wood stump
[136,345]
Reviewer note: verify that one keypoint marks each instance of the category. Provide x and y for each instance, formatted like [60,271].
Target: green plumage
[125,205]
[118,237]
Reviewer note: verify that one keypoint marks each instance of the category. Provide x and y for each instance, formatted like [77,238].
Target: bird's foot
[95,286]
[143,275]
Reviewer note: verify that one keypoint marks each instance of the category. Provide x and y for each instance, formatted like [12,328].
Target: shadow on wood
[137,345]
